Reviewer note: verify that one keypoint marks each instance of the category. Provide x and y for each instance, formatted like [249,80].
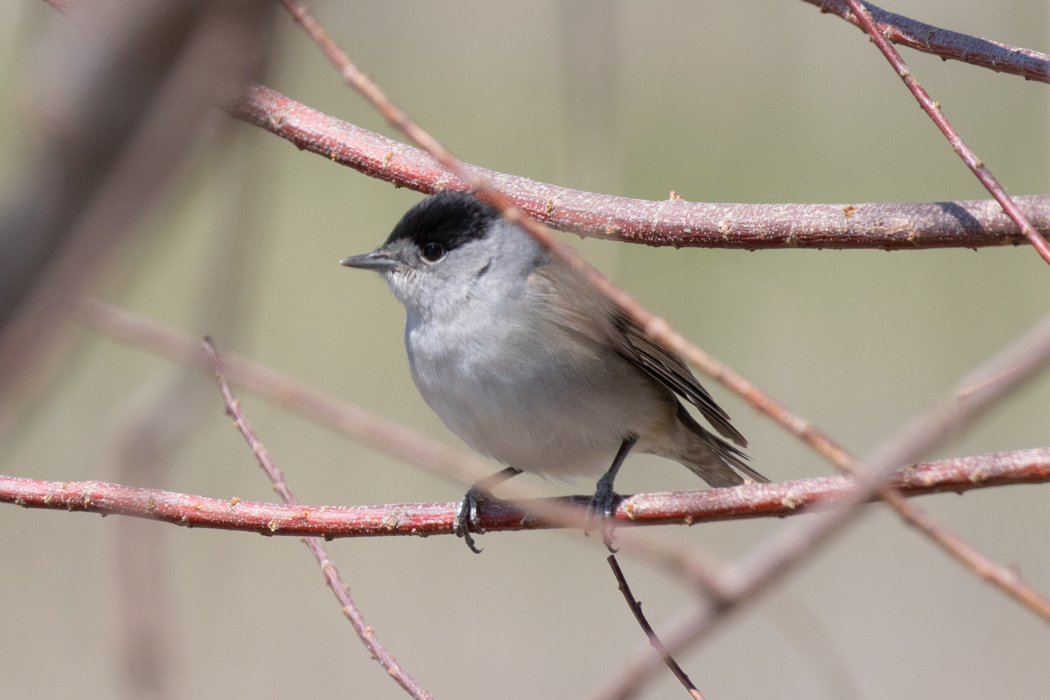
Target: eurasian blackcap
[526,362]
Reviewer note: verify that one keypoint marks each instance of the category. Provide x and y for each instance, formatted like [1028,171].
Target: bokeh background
[719,101]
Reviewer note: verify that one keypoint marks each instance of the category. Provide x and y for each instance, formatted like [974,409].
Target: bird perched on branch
[530,365]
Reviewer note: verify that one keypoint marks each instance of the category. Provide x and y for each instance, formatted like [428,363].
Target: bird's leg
[604,498]
[467,516]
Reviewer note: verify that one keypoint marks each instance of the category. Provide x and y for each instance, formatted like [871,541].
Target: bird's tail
[710,457]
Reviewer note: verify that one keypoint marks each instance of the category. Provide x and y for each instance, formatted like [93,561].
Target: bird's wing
[670,370]
[585,312]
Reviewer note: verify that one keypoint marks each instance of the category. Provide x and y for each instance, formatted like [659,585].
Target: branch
[675,222]
[933,109]
[1002,58]
[331,574]
[424,519]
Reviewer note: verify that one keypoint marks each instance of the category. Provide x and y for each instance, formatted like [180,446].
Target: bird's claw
[467,518]
[600,512]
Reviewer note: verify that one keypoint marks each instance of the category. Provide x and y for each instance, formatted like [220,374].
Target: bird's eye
[433,251]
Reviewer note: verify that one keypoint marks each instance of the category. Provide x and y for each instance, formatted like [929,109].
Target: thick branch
[675,222]
[933,109]
[423,519]
[1002,58]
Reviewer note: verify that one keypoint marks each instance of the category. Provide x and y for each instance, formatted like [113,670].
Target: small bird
[530,365]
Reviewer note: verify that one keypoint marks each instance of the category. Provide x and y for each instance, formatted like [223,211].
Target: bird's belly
[559,419]
[528,432]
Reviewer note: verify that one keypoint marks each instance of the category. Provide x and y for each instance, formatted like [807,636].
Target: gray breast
[527,393]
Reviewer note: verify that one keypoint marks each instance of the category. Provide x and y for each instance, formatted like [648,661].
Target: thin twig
[674,222]
[1002,58]
[777,500]
[933,109]
[636,608]
[331,574]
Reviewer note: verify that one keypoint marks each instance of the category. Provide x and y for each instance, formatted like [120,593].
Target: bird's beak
[376,260]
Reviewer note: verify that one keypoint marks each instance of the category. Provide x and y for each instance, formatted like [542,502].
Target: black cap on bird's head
[440,223]
[450,218]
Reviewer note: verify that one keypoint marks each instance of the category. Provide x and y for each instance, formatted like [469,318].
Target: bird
[530,365]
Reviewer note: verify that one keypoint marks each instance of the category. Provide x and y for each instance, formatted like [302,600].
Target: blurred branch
[675,222]
[64,7]
[126,102]
[331,573]
[324,409]
[748,502]
[986,385]
[88,118]
[589,39]
[1002,58]
[933,109]
[814,645]
[130,94]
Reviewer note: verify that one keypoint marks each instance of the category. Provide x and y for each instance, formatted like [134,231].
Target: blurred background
[719,101]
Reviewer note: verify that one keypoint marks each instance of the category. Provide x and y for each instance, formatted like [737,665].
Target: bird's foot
[467,517]
[600,511]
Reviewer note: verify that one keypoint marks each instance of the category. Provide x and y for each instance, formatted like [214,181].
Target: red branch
[933,109]
[676,222]
[1002,58]
[423,519]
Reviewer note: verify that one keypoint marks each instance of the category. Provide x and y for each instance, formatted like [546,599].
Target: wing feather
[586,313]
